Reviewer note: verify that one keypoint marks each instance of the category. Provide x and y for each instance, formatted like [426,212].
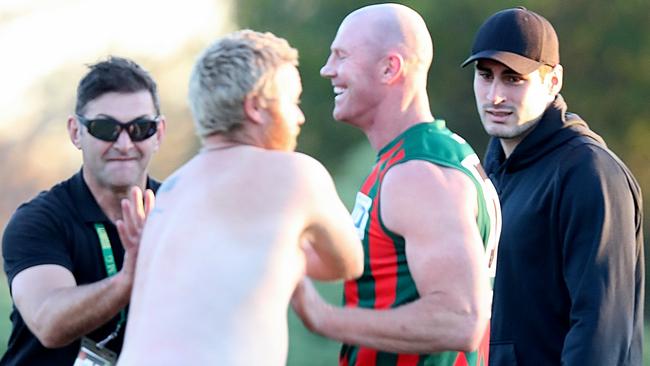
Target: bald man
[428,217]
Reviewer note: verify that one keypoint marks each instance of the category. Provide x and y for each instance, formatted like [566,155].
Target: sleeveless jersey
[386,281]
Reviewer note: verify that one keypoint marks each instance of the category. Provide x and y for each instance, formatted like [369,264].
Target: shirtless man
[237,227]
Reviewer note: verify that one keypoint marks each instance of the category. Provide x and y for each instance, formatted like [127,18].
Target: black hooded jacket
[570,270]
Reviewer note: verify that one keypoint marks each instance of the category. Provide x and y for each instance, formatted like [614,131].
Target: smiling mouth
[338,91]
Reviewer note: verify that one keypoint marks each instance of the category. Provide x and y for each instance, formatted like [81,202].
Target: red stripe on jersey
[484,348]
[343,361]
[370,181]
[408,360]
[372,177]
[366,357]
[351,288]
[383,257]
[390,152]
[461,360]
[351,293]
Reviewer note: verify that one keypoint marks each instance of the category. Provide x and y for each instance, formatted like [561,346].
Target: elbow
[355,267]
[51,339]
[48,333]
[473,331]
[355,272]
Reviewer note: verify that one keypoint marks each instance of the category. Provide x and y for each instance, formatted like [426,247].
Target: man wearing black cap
[569,282]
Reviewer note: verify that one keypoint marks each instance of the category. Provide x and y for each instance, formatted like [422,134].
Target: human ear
[556,79]
[160,132]
[253,108]
[74,131]
[392,68]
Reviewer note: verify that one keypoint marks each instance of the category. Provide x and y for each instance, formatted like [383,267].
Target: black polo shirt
[57,227]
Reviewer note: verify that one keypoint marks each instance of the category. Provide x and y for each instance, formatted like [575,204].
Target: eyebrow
[337,50]
[482,68]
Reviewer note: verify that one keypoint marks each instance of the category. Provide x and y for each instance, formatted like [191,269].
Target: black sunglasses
[109,129]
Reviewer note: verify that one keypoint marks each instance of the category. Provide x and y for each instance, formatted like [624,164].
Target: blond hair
[235,66]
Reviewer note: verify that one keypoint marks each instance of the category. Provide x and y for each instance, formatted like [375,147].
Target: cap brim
[518,63]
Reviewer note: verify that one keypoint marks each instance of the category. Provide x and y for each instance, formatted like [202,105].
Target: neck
[509,145]
[108,198]
[397,114]
[216,147]
[223,141]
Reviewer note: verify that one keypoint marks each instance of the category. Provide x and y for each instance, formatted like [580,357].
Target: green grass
[5,310]
[306,348]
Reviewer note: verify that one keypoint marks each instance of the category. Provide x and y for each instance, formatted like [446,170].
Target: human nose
[123,141]
[495,93]
[327,71]
[301,117]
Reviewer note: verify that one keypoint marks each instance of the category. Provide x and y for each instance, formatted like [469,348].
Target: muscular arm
[332,247]
[434,209]
[57,310]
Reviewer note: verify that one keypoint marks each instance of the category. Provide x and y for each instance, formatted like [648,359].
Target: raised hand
[135,210]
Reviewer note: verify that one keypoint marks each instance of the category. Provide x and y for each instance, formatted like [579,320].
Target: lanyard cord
[111,269]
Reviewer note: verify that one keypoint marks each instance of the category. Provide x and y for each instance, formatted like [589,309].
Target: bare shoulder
[417,176]
[301,167]
[416,192]
[297,159]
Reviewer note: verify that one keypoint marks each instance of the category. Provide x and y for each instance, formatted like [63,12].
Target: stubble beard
[515,132]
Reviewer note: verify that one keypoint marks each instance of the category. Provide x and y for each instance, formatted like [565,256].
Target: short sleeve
[35,235]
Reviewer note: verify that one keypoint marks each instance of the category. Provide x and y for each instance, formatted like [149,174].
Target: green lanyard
[111,269]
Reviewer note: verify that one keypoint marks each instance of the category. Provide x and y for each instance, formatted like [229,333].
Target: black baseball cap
[518,38]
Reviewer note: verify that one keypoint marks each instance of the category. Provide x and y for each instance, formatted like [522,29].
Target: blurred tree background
[605,51]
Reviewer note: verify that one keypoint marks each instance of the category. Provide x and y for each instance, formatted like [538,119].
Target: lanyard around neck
[111,269]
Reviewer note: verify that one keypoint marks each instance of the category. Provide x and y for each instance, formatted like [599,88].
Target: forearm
[66,314]
[332,270]
[418,327]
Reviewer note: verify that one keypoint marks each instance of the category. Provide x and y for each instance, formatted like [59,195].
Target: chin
[339,114]
[340,117]
[492,129]
[118,181]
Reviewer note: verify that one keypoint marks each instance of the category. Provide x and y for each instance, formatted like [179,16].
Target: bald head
[378,66]
[392,27]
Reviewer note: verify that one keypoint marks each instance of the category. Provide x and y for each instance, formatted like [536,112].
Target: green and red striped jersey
[386,281]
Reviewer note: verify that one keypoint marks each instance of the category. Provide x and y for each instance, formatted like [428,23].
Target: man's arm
[57,310]
[603,260]
[434,209]
[330,242]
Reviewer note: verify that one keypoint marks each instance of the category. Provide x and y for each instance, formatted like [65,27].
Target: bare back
[221,255]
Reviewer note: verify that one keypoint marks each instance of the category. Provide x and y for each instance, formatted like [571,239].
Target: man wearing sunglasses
[69,257]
